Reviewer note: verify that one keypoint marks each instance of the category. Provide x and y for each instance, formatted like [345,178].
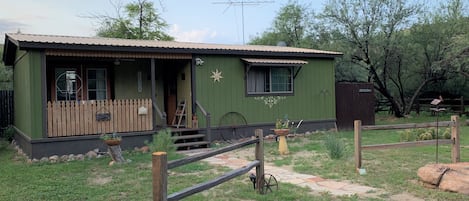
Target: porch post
[153,92]
[44,94]
[193,92]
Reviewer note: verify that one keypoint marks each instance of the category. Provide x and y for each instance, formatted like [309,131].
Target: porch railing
[208,128]
[161,115]
[72,118]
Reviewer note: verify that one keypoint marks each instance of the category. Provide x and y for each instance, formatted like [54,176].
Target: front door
[176,85]
[170,97]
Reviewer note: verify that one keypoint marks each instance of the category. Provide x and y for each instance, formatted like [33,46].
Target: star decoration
[216,75]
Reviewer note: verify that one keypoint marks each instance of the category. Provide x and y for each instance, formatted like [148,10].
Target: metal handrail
[207,120]
[162,115]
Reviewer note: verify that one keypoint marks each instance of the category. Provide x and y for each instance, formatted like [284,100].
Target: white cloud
[198,36]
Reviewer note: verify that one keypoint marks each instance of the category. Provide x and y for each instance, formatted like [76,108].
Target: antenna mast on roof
[241,3]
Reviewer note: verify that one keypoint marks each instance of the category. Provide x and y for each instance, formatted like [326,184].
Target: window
[67,84]
[269,80]
[97,89]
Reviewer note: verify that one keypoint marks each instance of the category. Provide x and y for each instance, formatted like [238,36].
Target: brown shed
[354,101]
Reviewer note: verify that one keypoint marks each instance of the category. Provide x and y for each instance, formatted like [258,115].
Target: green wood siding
[28,94]
[313,97]
[126,82]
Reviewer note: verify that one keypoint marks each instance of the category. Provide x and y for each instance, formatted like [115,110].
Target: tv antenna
[241,3]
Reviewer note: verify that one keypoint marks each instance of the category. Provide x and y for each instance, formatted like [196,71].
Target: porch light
[199,61]
[117,62]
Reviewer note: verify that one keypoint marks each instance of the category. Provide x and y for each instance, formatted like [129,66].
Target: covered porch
[90,93]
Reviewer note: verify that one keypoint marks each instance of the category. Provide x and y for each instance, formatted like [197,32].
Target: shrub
[425,136]
[8,133]
[442,133]
[447,133]
[162,141]
[409,135]
[334,146]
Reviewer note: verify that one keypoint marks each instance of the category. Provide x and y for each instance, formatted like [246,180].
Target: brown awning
[283,62]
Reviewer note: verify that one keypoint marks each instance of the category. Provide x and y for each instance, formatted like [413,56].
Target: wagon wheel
[270,184]
[233,120]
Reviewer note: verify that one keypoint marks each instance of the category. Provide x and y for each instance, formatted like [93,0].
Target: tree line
[405,48]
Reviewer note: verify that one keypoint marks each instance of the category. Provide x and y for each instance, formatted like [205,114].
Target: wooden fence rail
[456,105]
[454,141]
[160,168]
[71,118]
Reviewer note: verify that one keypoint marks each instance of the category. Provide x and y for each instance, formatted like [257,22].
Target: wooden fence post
[160,176]
[358,144]
[260,157]
[455,131]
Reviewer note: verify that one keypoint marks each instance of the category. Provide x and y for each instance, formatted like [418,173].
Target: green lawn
[391,170]
[96,180]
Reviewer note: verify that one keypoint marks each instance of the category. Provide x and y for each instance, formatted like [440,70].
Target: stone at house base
[449,177]
[64,158]
[91,154]
[44,159]
[54,159]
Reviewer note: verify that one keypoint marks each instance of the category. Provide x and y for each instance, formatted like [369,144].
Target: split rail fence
[72,118]
[160,167]
[454,141]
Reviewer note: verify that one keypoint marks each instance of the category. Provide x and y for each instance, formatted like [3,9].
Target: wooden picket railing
[72,118]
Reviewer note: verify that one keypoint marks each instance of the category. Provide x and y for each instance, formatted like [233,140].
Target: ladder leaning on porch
[180,115]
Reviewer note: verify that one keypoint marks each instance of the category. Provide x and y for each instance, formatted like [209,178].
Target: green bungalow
[69,90]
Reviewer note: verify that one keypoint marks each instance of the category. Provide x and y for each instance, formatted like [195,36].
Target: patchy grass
[392,170]
[96,180]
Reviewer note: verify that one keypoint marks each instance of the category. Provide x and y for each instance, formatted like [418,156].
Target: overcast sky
[207,21]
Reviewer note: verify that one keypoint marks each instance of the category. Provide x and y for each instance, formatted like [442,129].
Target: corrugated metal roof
[275,61]
[25,39]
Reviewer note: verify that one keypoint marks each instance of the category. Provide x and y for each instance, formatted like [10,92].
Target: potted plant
[282,128]
[111,139]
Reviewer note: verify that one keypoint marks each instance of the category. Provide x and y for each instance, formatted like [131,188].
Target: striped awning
[284,62]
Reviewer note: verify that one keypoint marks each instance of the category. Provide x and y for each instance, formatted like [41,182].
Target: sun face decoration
[216,75]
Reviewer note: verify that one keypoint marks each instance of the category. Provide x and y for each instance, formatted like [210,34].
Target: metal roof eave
[25,45]
[9,51]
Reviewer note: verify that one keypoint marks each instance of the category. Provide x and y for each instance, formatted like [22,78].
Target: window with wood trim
[269,80]
[67,84]
[97,84]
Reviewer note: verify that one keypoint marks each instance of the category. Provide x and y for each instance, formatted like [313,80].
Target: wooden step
[190,144]
[184,137]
